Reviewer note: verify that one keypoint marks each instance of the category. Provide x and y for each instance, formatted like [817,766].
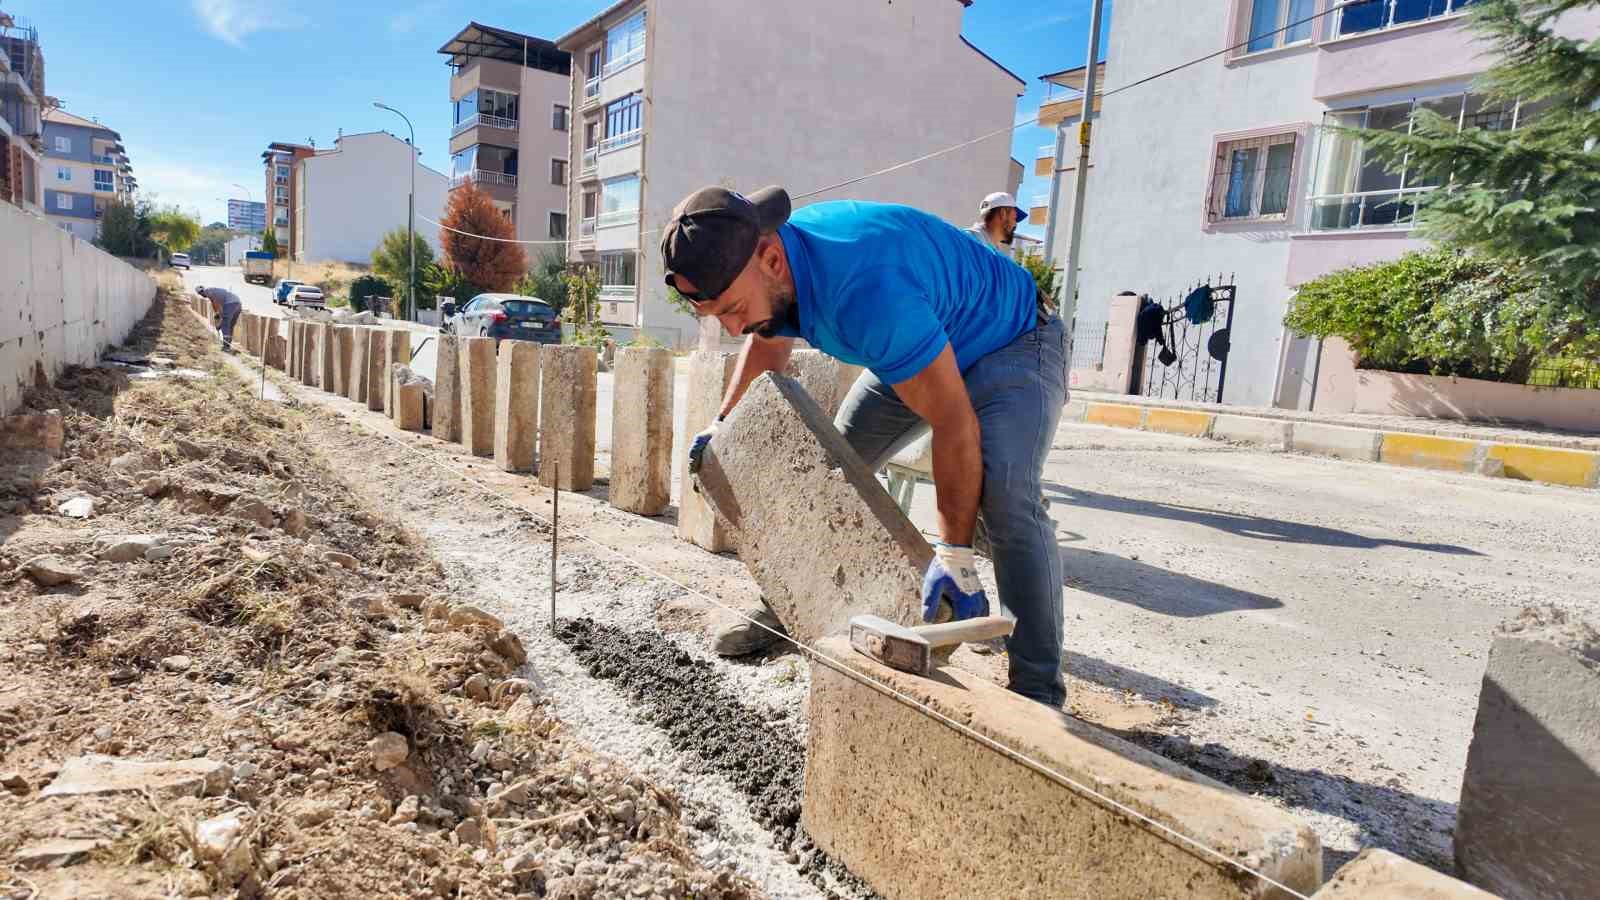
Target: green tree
[172,230]
[269,241]
[368,286]
[391,262]
[544,280]
[443,281]
[1529,193]
[582,307]
[209,246]
[125,230]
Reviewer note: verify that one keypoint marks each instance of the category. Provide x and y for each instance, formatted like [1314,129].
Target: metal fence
[1192,362]
[1567,373]
[1088,347]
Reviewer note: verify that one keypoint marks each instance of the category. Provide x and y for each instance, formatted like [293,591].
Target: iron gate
[1190,361]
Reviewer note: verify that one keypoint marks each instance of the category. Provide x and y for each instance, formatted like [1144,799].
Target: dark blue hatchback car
[505,317]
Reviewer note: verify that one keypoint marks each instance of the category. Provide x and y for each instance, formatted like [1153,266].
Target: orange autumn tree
[493,265]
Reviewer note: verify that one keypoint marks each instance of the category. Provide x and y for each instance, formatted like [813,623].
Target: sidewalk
[1496,451]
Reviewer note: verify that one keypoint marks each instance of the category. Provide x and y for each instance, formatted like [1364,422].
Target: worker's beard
[782,307]
[1007,232]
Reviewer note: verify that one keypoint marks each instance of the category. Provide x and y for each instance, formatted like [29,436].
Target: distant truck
[258,267]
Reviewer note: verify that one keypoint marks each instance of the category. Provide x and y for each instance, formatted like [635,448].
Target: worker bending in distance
[225,309]
[954,337]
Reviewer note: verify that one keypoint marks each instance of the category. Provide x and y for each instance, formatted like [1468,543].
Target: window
[1374,15]
[619,201]
[558,226]
[559,115]
[282,194]
[1353,191]
[591,133]
[1279,23]
[64,173]
[591,204]
[623,121]
[625,43]
[597,59]
[1250,178]
[558,171]
[619,272]
[102,179]
[63,144]
[63,201]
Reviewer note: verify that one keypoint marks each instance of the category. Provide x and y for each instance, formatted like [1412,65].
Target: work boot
[743,637]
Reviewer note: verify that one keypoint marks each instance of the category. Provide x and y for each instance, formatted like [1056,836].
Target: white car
[307,295]
[180,260]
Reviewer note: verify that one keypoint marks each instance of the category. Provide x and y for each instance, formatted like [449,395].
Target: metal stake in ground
[555,525]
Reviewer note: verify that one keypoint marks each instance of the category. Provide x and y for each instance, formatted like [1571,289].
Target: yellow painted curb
[1179,421]
[1426,451]
[1114,414]
[1552,465]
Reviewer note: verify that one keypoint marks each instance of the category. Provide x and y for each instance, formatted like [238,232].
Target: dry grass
[333,277]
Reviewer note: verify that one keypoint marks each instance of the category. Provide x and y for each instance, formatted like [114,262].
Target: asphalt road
[258,299]
[1331,617]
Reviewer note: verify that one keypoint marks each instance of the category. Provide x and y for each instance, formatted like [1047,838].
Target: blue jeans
[1018,392]
[230,316]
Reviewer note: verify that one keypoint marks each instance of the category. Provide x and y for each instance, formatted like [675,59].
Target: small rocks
[176,663]
[294,523]
[388,750]
[245,770]
[49,570]
[508,645]
[341,559]
[251,509]
[464,617]
[469,832]
[521,862]
[153,487]
[511,687]
[309,813]
[406,811]
[220,841]
[476,687]
[77,508]
[14,782]
[55,853]
[407,601]
[158,553]
[131,463]
[370,606]
[129,547]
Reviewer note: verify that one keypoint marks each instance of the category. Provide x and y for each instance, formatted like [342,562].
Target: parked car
[180,260]
[502,317]
[305,295]
[280,294]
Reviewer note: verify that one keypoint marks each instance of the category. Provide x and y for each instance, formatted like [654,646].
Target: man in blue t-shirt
[954,337]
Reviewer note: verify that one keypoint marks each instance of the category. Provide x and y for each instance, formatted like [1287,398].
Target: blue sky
[198,88]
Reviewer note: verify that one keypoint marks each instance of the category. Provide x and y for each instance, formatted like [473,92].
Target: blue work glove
[951,582]
[698,445]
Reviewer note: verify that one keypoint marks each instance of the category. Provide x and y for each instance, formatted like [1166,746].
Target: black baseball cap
[713,232]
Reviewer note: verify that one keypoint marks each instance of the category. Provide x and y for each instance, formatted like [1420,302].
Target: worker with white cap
[998,218]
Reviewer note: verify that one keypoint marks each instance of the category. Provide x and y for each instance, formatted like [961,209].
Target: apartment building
[510,118]
[278,165]
[1230,168]
[85,170]
[249,216]
[345,199]
[672,95]
[21,128]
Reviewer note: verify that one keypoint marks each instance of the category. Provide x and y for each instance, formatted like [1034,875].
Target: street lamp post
[411,216]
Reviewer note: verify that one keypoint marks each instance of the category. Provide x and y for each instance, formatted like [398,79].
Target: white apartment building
[345,199]
[510,119]
[1226,168]
[672,95]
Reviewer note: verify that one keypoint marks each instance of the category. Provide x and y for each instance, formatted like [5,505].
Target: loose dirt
[233,603]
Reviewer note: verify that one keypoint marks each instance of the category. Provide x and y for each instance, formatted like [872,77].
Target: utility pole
[1069,298]
[411,217]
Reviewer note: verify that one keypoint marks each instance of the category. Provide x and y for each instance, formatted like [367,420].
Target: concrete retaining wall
[62,301]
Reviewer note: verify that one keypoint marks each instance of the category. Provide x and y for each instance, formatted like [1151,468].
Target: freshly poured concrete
[516,405]
[566,417]
[920,810]
[641,431]
[817,531]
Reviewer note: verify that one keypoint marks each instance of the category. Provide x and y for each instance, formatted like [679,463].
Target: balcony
[617,217]
[586,233]
[485,120]
[631,58]
[591,158]
[627,139]
[103,160]
[625,293]
[591,92]
[483,176]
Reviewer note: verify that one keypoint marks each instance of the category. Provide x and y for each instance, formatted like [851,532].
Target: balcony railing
[103,160]
[591,91]
[483,176]
[627,139]
[586,232]
[617,217]
[1047,151]
[636,55]
[477,119]
[622,292]
[591,158]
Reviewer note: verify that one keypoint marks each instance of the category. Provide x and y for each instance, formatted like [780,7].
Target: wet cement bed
[692,703]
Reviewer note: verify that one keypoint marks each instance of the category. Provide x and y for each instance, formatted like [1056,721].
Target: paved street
[1331,617]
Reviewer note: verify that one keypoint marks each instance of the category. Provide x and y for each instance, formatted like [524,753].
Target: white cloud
[407,22]
[235,20]
[194,190]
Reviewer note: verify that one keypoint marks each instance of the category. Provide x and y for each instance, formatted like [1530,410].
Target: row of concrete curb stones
[883,775]
[1525,462]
